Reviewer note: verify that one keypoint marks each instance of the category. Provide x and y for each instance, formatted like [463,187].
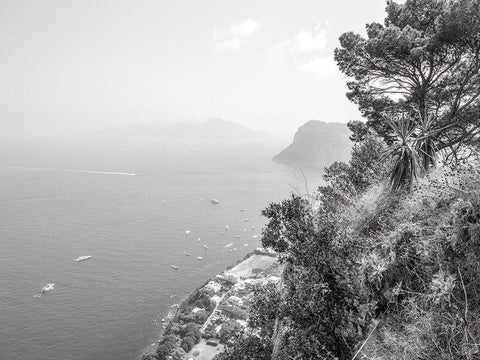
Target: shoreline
[234,276]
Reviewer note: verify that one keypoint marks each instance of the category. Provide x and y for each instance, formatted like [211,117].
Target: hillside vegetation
[316,144]
[383,262]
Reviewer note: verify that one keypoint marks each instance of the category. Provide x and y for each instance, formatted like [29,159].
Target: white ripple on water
[76,170]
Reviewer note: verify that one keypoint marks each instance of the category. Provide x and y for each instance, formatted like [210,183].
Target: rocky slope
[317,144]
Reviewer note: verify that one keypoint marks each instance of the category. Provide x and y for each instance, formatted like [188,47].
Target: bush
[187,343]
[149,357]
[166,346]
[245,346]
[191,330]
[178,354]
[228,328]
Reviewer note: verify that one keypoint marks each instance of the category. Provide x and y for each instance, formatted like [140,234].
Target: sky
[73,66]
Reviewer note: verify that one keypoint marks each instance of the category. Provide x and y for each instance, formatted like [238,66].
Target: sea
[137,206]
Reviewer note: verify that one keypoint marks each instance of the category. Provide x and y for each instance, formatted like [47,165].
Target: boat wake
[75,170]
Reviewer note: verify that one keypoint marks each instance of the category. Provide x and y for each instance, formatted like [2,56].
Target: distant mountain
[215,128]
[317,144]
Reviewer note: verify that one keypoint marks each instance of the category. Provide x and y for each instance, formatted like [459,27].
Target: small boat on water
[199,258]
[82,258]
[215,201]
[226,227]
[187,254]
[187,232]
[48,287]
[205,246]
[174,267]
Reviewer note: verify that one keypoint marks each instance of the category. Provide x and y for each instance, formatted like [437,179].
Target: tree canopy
[424,61]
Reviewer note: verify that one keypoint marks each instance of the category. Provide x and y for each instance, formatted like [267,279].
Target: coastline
[228,294]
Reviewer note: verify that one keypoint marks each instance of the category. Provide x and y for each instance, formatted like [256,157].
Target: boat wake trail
[75,170]
[103,172]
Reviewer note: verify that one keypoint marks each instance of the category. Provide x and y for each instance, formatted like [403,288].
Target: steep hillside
[372,272]
[317,144]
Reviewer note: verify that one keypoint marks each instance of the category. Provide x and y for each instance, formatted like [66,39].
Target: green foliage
[246,346]
[228,328]
[405,154]
[190,335]
[166,346]
[263,310]
[344,182]
[321,297]
[191,329]
[187,343]
[149,357]
[178,354]
[199,299]
[291,226]
[370,274]
[422,270]
[390,276]
[423,60]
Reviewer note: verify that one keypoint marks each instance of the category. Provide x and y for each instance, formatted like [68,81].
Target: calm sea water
[109,307]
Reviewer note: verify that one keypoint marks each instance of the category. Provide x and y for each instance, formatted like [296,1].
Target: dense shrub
[187,343]
[228,328]
[380,276]
[244,345]
[191,329]
[149,357]
[166,346]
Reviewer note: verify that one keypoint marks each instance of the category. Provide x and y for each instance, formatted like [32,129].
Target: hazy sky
[73,66]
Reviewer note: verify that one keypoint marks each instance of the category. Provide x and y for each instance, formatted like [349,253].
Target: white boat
[226,227]
[199,258]
[187,232]
[245,245]
[187,254]
[174,267]
[205,246]
[82,258]
[215,201]
[48,287]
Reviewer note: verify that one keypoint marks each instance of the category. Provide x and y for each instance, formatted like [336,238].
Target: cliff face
[317,144]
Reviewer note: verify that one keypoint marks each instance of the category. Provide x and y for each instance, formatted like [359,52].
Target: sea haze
[127,202]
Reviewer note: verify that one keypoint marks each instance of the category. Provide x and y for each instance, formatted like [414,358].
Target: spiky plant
[425,142]
[406,158]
